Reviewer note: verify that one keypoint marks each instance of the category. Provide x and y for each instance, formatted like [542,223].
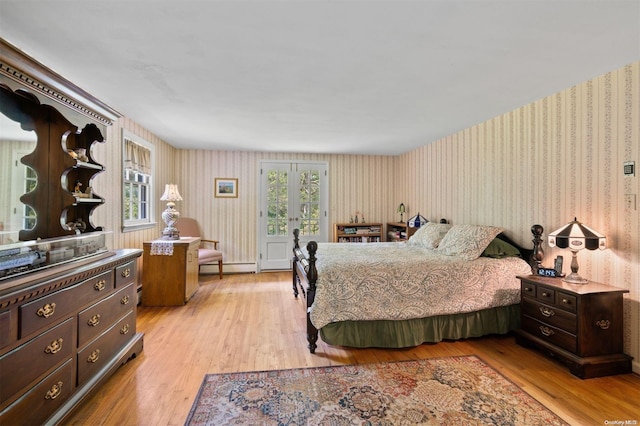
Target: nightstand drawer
[551,315]
[550,334]
[528,289]
[546,295]
[541,293]
[566,301]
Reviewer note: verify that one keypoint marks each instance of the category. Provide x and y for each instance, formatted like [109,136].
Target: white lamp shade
[171,193]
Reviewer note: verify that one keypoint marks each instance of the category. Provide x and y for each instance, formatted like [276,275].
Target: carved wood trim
[21,68]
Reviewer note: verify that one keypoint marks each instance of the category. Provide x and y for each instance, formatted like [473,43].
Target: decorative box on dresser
[170,271]
[63,332]
[579,324]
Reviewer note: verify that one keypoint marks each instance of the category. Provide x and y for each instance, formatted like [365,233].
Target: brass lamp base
[574,278]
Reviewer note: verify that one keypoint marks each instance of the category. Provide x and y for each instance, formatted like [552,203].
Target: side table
[169,271]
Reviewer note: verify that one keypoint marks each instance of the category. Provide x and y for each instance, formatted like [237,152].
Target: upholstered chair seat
[208,252]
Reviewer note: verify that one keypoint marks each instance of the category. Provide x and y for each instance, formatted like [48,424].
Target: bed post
[538,252]
[296,245]
[312,277]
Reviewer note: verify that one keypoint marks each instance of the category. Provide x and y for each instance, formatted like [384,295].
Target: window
[137,183]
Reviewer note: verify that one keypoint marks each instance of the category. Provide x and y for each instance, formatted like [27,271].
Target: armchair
[208,252]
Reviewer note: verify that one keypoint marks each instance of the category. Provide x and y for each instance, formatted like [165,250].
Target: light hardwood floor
[252,322]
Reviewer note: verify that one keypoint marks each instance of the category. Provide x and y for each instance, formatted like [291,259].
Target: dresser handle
[529,289]
[94,320]
[100,285]
[93,358]
[603,324]
[565,301]
[54,346]
[546,331]
[47,310]
[54,392]
[546,311]
[545,294]
[124,329]
[124,300]
[126,273]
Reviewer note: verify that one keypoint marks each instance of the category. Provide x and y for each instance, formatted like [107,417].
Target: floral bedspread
[395,281]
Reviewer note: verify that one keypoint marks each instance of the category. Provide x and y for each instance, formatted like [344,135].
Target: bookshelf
[370,232]
[399,231]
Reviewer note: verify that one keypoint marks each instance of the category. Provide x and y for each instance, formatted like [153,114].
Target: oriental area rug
[451,391]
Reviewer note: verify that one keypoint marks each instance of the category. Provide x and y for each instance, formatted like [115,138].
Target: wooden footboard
[305,276]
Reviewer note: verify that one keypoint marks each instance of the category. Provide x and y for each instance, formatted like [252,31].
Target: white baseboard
[229,268]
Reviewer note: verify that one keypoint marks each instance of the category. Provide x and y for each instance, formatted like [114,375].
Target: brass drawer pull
[565,301]
[124,329]
[126,273]
[124,300]
[94,320]
[546,311]
[93,358]
[529,289]
[100,285]
[546,331]
[54,346]
[545,294]
[47,310]
[54,392]
[603,324]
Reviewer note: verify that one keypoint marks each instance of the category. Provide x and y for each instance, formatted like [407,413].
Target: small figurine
[77,188]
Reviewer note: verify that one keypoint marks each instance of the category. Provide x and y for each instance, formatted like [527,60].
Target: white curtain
[136,157]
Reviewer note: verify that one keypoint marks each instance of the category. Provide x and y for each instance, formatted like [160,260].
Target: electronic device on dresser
[581,325]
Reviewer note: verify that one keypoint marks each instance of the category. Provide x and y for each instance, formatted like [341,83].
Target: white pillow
[429,235]
[467,241]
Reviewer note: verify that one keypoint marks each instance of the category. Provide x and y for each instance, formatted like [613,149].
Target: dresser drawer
[47,310]
[551,315]
[126,273]
[43,400]
[26,363]
[5,328]
[97,318]
[550,334]
[94,356]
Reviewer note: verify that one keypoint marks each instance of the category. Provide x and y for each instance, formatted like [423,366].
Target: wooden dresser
[581,325]
[170,271]
[64,331]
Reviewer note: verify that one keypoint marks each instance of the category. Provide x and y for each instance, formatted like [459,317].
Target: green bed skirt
[414,332]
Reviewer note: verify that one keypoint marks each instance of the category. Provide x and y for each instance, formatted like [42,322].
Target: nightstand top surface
[590,287]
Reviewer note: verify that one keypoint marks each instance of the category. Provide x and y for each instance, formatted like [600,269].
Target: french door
[292,195]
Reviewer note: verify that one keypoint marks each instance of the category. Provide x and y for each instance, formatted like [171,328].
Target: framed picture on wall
[226,188]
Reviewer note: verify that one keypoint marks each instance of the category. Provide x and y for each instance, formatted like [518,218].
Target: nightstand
[581,325]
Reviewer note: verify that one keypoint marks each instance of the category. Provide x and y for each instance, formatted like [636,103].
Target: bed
[446,283]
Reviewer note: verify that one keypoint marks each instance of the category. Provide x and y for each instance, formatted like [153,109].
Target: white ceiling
[375,77]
